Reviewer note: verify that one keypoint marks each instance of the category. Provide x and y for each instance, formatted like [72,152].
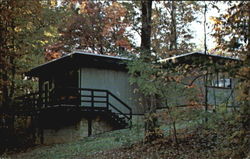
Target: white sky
[199,28]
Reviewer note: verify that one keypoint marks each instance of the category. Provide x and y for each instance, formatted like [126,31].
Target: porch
[88,102]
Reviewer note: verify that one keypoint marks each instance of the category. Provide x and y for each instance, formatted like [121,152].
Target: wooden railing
[80,97]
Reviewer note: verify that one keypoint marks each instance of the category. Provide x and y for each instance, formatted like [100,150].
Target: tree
[151,127]
[164,32]
[171,33]
[98,27]
[23,35]
[232,33]
[146,14]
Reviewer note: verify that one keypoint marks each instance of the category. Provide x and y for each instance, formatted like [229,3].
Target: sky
[198,28]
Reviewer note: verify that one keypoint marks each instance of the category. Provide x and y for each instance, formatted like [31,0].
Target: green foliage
[144,75]
[234,40]
[163,87]
[230,139]
[26,27]
[171,32]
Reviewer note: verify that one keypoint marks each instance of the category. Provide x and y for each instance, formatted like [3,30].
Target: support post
[107,100]
[46,97]
[41,136]
[92,98]
[89,127]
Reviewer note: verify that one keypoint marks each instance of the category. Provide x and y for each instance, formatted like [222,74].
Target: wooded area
[155,36]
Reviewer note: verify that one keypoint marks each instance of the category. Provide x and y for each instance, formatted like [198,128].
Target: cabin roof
[79,59]
[90,60]
[182,57]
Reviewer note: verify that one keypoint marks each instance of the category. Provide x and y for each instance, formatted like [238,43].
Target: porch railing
[80,97]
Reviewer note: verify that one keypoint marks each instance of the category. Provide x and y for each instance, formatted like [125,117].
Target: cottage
[79,95]
[82,94]
[208,76]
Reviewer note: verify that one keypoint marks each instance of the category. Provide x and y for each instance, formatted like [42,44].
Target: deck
[88,102]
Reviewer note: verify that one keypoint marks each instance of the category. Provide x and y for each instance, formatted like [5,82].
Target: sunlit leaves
[23,24]
[233,37]
[98,27]
[171,27]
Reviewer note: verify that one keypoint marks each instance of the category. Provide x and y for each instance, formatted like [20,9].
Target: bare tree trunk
[146,25]
[205,50]
[173,41]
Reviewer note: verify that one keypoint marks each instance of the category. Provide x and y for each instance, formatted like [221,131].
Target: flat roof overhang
[198,58]
[78,60]
[90,60]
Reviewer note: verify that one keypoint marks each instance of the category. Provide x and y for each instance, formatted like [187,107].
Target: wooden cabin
[206,79]
[81,94]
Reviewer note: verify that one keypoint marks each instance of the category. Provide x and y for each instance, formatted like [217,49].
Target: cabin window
[219,80]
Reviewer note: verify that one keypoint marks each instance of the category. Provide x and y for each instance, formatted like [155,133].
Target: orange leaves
[215,20]
[115,11]
[90,8]
[114,16]
[96,26]
[123,43]
[83,6]
[190,86]
[52,55]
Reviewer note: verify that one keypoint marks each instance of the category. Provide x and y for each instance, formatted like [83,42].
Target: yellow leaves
[186,66]
[43,42]
[18,29]
[30,25]
[53,3]
[48,34]
[51,32]
[82,7]
[215,20]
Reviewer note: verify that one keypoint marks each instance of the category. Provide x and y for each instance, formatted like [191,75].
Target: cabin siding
[223,96]
[180,95]
[117,82]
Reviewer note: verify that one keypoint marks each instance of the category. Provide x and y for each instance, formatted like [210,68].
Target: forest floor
[125,144]
[192,146]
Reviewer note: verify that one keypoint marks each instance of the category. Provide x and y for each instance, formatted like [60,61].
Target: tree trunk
[173,40]
[146,25]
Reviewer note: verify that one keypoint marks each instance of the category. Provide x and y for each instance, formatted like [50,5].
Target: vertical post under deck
[107,100]
[46,96]
[92,99]
[89,127]
[41,136]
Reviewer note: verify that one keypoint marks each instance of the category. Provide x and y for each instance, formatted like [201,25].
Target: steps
[114,119]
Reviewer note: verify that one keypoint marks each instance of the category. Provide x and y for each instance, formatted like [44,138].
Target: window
[219,80]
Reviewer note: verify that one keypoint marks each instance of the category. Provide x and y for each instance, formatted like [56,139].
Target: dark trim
[218,87]
[132,113]
[79,60]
